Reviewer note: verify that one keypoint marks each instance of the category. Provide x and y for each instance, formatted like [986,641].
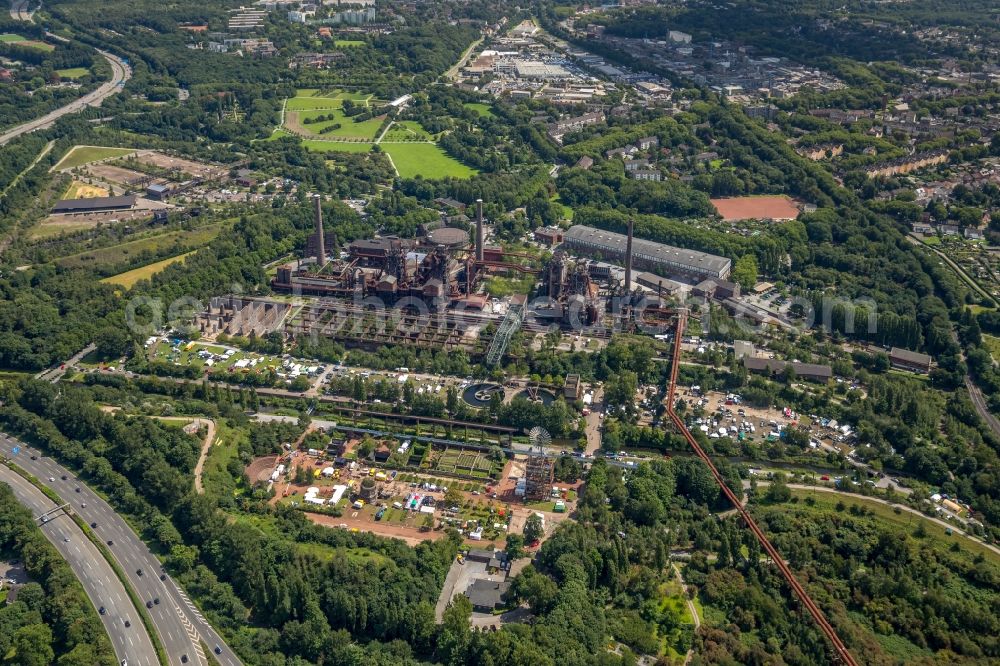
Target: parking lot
[740,420]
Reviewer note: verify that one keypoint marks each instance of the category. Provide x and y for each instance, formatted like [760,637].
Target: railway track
[841,652]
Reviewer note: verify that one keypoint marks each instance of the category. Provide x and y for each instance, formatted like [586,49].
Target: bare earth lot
[197,169]
[115,175]
[735,209]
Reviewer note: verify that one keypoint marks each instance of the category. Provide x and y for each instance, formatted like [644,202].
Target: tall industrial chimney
[628,258]
[479,229]
[320,240]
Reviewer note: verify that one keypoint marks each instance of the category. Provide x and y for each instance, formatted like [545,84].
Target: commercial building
[94,205]
[905,359]
[536,69]
[714,288]
[550,236]
[646,255]
[158,192]
[812,371]
[487,595]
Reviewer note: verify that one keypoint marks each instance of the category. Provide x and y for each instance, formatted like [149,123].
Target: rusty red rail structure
[843,655]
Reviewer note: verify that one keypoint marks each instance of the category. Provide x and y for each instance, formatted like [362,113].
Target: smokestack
[479,229]
[628,258]
[320,241]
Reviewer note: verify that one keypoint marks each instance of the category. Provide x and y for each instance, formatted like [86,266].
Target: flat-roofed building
[646,255]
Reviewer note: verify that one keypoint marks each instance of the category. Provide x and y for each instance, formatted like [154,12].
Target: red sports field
[756,208]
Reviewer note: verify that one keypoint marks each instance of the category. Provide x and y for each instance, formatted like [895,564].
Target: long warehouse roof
[677,255]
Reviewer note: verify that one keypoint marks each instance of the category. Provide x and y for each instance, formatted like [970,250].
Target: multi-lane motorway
[178,622]
[131,643]
[120,72]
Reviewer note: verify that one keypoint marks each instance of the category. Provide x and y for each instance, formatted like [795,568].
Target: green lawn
[406,130]
[427,160]
[277,134]
[11,38]
[215,476]
[312,98]
[992,344]
[349,42]
[501,287]
[318,146]
[47,230]
[349,129]
[306,103]
[481,109]
[35,44]
[567,212]
[80,155]
[129,278]
[73,73]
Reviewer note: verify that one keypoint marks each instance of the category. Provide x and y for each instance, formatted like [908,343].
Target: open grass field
[49,230]
[336,146]
[73,72]
[992,344]
[78,190]
[80,155]
[481,109]
[349,129]
[129,278]
[215,476]
[346,43]
[117,254]
[427,160]
[406,130]
[37,45]
[12,38]
[311,98]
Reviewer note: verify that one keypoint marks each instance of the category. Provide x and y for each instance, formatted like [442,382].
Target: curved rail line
[842,653]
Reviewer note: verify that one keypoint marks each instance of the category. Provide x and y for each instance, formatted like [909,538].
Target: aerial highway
[120,72]
[131,643]
[178,622]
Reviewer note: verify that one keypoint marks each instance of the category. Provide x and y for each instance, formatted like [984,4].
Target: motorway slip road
[92,570]
[178,622]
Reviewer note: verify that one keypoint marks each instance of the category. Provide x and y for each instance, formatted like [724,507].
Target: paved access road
[132,643]
[120,72]
[178,622]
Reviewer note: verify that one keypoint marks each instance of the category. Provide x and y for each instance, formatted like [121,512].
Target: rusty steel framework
[843,655]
